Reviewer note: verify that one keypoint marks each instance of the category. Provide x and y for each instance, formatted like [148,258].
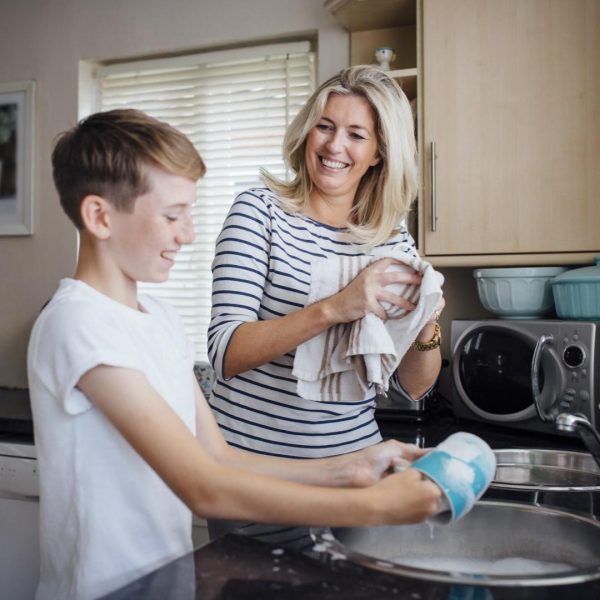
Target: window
[235,107]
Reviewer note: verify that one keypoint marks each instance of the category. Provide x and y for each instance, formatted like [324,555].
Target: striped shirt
[262,271]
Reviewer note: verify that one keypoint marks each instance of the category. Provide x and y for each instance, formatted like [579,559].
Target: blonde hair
[387,189]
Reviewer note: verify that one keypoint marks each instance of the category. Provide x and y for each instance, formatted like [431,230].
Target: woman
[352,150]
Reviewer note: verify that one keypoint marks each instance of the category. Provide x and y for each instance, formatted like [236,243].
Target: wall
[45,41]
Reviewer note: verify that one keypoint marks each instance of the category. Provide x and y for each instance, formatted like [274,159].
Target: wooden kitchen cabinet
[511,99]
[509,92]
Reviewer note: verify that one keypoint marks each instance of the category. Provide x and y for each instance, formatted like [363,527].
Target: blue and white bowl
[517,292]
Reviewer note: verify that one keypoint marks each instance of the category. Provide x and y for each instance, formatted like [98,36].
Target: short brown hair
[107,154]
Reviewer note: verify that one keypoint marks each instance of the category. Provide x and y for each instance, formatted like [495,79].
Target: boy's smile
[145,243]
[170,255]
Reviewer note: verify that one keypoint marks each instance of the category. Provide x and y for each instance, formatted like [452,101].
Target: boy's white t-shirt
[106,517]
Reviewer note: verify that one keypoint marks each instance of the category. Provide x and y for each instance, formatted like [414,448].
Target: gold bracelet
[434,342]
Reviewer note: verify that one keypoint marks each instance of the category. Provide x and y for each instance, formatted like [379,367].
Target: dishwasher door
[19,522]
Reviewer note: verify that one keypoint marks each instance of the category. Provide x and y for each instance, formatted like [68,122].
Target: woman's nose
[334,143]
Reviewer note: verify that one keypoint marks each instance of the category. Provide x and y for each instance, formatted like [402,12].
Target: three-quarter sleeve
[239,271]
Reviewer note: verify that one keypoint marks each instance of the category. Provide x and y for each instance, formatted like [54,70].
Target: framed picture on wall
[16,158]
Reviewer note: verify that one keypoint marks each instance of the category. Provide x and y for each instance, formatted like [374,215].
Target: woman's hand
[370,464]
[367,291]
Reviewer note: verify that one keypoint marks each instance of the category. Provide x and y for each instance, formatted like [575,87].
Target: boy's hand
[406,497]
[372,463]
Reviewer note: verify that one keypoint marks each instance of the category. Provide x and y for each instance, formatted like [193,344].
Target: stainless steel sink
[496,544]
[546,470]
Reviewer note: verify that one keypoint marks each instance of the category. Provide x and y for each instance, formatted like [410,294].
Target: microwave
[495,377]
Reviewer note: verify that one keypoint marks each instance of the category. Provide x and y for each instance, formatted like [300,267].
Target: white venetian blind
[235,107]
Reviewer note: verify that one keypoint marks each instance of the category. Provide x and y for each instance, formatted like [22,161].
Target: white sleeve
[68,342]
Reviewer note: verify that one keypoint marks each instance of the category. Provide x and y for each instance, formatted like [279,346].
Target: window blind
[235,107]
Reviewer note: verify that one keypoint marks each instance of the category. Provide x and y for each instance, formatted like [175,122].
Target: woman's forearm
[256,343]
[418,370]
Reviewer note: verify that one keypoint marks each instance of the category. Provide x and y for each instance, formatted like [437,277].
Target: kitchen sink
[545,470]
[496,544]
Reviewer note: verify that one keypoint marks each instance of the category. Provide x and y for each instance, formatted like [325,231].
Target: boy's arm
[216,490]
[356,469]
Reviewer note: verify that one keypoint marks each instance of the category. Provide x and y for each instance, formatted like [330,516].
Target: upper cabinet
[511,100]
[509,128]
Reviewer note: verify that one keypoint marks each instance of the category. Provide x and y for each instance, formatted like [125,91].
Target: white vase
[385,56]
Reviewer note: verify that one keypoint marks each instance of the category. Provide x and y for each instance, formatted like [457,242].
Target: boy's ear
[94,212]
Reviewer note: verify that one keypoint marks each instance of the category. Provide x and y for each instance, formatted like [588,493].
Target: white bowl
[517,292]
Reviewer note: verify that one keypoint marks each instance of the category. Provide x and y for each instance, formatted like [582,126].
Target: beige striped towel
[342,363]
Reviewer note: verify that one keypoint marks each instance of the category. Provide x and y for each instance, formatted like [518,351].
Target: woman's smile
[332,164]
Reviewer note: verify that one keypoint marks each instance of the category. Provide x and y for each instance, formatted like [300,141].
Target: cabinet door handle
[433,198]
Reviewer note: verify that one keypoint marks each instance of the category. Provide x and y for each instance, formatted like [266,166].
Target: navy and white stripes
[261,271]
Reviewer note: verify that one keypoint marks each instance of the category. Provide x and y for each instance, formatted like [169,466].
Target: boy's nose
[186,235]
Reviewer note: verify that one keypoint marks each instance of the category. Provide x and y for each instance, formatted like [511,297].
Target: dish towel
[343,362]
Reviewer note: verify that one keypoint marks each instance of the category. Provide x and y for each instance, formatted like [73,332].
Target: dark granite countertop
[240,568]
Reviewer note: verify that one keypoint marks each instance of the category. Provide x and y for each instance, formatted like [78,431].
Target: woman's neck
[335,212]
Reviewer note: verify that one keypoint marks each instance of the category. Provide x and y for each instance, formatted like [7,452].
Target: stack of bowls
[517,292]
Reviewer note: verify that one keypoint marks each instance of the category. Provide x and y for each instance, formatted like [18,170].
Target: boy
[127,445]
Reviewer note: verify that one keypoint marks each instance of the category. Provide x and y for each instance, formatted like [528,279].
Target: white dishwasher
[19,510]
